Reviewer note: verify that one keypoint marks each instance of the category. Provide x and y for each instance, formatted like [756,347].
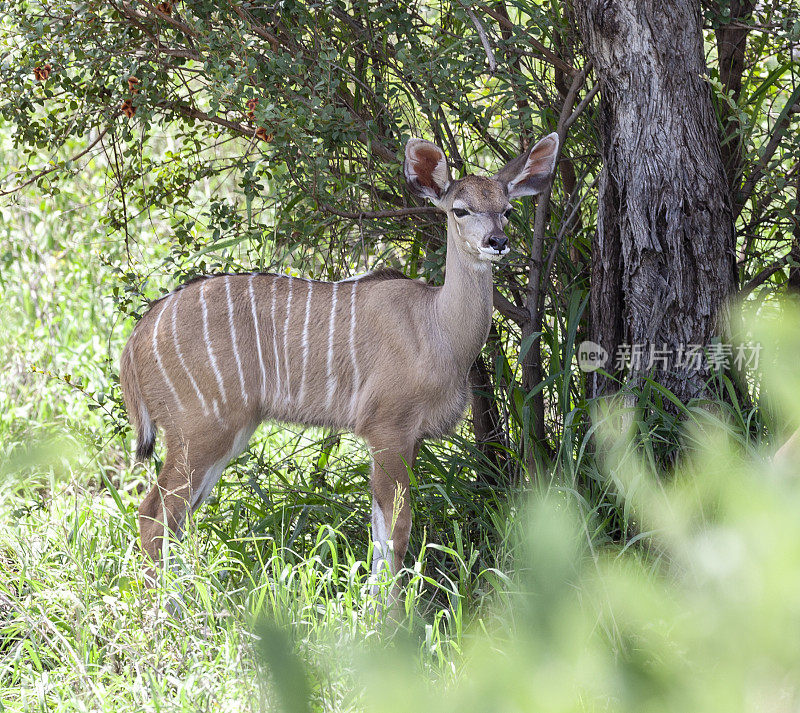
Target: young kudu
[384,357]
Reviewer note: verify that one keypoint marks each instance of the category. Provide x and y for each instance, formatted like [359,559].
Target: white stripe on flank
[192,381]
[207,338]
[275,340]
[305,342]
[215,407]
[232,324]
[286,341]
[258,342]
[356,377]
[158,356]
[331,329]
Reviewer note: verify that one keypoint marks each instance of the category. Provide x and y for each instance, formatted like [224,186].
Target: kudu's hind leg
[391,505]
[164,508]
[190,470]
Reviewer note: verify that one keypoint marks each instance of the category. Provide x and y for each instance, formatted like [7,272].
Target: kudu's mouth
[490,254]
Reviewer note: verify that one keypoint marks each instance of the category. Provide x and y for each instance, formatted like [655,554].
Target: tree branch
[565,226]
[531,362]
[59,165]
[190,111]
[772,145]
[582,106]
[508,309]
[764,275]
[376,214]
[177,24]
[545,53]
[731,48]
[487,48]
[259,29]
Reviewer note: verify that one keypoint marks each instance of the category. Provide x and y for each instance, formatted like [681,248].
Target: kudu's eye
[460,212]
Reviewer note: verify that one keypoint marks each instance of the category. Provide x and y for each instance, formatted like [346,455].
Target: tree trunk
[487,426]
[794,270]
[731,46]
[663,260]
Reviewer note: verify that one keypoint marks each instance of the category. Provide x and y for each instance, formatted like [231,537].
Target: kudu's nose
[497,242]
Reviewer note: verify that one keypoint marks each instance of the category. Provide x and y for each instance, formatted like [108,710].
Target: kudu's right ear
[426,170]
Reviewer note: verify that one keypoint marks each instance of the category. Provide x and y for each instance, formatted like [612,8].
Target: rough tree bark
[487,425]
[663,260]
[731,46]
[793,283]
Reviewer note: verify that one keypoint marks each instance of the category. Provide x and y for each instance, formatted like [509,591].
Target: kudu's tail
[137,409]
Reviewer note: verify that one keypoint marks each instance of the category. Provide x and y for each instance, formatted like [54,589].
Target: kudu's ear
[529,173]
[426,170]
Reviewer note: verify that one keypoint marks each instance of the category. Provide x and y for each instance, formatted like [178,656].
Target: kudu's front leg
[391,506]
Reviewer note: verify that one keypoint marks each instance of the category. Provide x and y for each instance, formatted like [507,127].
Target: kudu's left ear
[426,170]
[529,173]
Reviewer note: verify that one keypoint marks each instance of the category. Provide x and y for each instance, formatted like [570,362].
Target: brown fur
[428,159]
[482,195]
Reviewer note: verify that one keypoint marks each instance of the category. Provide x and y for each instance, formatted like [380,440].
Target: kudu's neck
[464,303]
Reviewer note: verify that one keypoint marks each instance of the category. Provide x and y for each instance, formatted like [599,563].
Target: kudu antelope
[384,357]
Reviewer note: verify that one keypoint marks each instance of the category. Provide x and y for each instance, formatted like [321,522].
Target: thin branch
[516,76]
[508,309]
[756,214]
[540,220]
[139,20]
[582,106]
[545,53]
[551,257]
[177,24]
[764,275]
[259,29]
[135,18]
[531,363]
[769,151]
[180,52]
[376,214]
[59,165]
[487,138]
[456,160]
[487,48]
[378,149]
[118,171]
[190,111]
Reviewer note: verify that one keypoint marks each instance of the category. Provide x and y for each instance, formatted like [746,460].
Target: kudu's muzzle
[496,241]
